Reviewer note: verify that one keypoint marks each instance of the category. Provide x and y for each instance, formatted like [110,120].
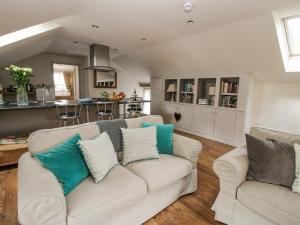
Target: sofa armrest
[231,169]
[40,196]
[187,148]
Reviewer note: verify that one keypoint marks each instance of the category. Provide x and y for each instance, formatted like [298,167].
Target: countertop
[52,104]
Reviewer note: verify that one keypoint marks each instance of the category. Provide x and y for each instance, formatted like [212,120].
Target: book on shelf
[229,101]
[229,87]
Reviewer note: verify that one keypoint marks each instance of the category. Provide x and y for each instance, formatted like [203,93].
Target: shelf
[171,85]
[229,94]
[186,92]
[229,87]
[187,88]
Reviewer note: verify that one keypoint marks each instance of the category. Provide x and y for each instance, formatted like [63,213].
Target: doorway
[66,85]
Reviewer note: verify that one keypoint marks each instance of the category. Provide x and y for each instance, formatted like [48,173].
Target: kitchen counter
[21,120]
[32,105]
[52,104]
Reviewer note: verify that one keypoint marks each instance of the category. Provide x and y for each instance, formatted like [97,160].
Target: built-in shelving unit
[186,93]
[229,88]
[206,91]
[221,117]
[171,90]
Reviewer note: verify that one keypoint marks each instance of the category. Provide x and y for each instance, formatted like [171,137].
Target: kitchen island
[23,120]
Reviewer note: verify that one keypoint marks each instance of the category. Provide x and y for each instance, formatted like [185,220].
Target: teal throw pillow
[66,162]
[164,135]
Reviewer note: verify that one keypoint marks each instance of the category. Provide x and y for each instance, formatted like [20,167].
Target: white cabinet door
[157,92]
[224,124]
[186,112]
[239,131]
[203,119]
[168,112]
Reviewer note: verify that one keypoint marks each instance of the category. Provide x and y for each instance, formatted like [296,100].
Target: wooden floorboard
[188,210]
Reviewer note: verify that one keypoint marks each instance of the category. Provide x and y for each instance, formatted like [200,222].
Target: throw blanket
[112,127]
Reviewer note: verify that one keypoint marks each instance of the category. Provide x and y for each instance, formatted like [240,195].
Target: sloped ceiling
[227,36]
[246,46]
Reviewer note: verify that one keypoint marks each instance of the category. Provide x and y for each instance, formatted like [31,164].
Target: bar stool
[135,107]
[67,112]
[105,109]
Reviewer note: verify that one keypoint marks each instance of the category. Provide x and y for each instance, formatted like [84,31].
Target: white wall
[42,68]
[278,106]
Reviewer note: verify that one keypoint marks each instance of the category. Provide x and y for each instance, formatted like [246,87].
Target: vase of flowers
[21,77]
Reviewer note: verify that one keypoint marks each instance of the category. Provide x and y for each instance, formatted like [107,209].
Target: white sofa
[127,196]
[242,202]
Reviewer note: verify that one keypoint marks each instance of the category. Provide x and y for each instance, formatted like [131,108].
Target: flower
[20,75]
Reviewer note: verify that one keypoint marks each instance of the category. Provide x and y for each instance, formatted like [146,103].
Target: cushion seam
[111,200]
[261,200]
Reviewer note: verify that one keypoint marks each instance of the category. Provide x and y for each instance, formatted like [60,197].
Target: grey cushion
[112,127]
[270,161]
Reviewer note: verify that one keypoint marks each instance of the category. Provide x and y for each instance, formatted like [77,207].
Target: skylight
[288,32]
[292,27]
[26,33]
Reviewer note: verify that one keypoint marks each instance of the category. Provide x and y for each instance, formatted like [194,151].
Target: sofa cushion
[137,122]
[270,161]
[276,203]
[119,189]
[161,172]
[139,144]
[99,155]
[66,162]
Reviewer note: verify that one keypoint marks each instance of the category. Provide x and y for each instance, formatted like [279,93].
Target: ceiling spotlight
[188,6]
[190,21]
[75,42]
[95,26]
[115,49]
[143,39]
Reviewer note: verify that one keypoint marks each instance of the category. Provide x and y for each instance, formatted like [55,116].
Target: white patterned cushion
[99,155]
[139,144]
[296,185]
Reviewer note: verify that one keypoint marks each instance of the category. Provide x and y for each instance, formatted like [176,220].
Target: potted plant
[21,77]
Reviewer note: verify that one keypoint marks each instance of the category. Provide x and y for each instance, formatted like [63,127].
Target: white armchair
[231,169]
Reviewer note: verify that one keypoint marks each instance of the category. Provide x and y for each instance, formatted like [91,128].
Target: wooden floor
[188,210]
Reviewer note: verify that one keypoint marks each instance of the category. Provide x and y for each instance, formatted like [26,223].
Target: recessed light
[95,26]
[190,21]
[115,49]
[75,42]
[143,39]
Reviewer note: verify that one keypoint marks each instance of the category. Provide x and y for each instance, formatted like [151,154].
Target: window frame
[288,36]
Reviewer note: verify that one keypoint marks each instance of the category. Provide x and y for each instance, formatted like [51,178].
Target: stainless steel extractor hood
[99,58]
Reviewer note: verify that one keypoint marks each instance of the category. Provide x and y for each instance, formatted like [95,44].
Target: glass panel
[293,29]
[147,96]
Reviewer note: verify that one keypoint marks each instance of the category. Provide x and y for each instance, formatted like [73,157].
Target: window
[26,33]
[65,79]
[288,32]
[60,85]
[292,28]
[147,96]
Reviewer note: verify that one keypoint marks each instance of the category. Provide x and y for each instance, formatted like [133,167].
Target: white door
[203,119]
[157,92]
[186,112]
[224,124]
